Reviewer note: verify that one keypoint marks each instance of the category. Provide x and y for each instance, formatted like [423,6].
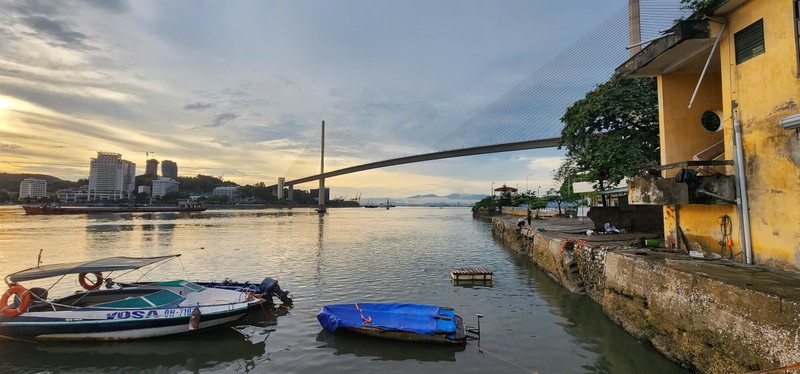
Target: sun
[5,104]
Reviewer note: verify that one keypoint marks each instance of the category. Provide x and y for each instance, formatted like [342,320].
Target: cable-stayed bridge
[527,116]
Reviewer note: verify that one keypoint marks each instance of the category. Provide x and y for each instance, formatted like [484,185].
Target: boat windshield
[193,287]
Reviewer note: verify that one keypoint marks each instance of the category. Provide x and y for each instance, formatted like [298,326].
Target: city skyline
[224,95]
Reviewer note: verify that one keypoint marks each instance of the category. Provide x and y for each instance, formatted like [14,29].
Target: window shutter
[749,41]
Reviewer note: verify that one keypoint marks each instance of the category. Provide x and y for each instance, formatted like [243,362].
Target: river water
[348,255]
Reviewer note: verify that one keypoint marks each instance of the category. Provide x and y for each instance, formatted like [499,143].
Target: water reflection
[346,342]
[593,330]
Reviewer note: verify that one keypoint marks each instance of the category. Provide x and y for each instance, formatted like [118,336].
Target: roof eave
[682,42]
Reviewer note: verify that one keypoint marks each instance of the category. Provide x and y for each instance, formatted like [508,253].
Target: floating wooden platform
[474,275]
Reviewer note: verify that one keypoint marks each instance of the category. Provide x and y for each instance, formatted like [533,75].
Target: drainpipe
[741,186]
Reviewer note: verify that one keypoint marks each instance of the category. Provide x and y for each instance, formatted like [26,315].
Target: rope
[367,320]
[512,363]
[16,339]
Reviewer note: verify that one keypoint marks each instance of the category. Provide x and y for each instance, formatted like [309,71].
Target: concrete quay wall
[707,316]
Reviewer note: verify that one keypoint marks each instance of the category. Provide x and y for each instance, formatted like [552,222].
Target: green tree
[486,205]
[4,196]
[173,197]
[610,131]
[697,5]
[563,195]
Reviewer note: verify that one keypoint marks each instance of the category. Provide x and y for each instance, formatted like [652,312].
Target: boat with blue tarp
[397,321]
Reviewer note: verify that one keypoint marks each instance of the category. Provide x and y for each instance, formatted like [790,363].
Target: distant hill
[453,199]
[10,182]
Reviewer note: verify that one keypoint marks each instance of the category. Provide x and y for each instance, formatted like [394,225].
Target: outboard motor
[269,288]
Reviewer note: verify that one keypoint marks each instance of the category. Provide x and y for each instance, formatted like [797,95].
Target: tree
[697,5]
[610,131]
[563,195]
[485,205]
[173,197]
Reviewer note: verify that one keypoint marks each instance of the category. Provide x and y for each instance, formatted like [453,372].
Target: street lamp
[526,181]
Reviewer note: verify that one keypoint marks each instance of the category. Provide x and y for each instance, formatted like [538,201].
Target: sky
[238,89]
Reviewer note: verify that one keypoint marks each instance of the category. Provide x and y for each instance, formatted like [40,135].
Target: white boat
[147,311]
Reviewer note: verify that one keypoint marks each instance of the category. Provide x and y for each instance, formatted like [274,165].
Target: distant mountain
[10,182]
[453,199]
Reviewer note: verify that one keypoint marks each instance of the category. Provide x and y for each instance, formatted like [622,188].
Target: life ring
[25,299]
[90,286]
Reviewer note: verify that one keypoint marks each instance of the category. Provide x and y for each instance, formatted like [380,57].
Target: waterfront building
[111,177]
[152,167]
[144,190]
[169,169]
[728,94]
[32,188]
[74,194]
[228,191]
[164,185]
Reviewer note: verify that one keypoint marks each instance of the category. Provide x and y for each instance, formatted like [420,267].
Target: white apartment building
[111,177]
[32,188]
[163,185]
[228,191]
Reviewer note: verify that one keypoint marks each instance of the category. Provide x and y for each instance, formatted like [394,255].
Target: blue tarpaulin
[416,318]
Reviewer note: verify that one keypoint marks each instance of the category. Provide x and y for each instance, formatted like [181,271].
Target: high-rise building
[31,188]
[164,185]
[111,177]
[152,167]
[169,169]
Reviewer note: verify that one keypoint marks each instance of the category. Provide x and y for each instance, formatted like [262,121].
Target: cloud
[58,32]
[113,6]
[222,119]
[9,147]
[197,106]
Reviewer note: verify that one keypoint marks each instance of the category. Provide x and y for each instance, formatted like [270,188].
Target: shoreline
[710,316]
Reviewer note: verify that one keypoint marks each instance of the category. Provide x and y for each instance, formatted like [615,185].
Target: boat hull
[116,324]
[459,338]
[46,210]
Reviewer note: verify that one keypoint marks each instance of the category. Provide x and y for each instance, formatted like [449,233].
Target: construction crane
[147,153]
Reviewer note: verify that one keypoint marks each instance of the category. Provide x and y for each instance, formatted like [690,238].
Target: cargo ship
[56,209]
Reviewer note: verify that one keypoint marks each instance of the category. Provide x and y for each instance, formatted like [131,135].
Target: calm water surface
[348,255]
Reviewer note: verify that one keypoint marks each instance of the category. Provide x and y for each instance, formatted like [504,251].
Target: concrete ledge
[709,316]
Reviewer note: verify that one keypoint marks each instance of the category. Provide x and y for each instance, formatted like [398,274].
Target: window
[797,32]
[749,41]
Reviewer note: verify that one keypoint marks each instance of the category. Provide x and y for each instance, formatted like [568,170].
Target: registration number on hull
[142,314]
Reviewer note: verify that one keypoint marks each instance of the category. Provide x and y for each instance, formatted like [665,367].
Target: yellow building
[735,65]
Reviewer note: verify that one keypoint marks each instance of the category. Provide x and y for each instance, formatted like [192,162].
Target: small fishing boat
[145,311]
[408,322]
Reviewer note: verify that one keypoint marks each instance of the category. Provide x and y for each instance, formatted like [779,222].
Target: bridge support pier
[290,192]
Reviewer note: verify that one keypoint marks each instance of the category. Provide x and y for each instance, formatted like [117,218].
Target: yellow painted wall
[766,89]
[683,136]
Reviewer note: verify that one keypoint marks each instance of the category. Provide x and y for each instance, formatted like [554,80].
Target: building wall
[30,187]
[683,136]
[110,177]
[169,169]
[163,185]
[226,191]
[152,167]
[766,89]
